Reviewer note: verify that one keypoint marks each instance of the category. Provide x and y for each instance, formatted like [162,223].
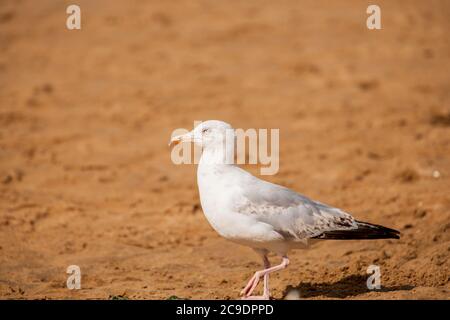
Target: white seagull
[262,215]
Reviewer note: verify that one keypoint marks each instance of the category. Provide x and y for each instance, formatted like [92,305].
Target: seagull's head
[207,134]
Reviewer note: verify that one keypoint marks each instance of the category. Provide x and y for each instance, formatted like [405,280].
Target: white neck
[218,154]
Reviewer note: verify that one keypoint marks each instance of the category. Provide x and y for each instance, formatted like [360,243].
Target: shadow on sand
[346,287]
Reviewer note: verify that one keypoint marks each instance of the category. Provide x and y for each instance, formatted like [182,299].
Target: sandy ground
[85,116]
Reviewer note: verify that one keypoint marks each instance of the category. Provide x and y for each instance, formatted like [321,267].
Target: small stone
[436,174]
[293,294]
[408,175]
[420,213]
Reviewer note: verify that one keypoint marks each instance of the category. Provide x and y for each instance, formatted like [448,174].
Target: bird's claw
[251,285]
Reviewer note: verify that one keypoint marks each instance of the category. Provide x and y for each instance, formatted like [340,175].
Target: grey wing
[291,214]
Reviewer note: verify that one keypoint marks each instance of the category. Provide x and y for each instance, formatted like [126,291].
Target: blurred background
[85,116]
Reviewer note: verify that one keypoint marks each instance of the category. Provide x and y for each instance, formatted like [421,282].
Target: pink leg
[251,285]
[266,264]
[266,292]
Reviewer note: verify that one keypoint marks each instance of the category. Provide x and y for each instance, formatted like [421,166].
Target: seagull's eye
[204,130]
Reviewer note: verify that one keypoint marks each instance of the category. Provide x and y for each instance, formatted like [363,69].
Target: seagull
[266,217]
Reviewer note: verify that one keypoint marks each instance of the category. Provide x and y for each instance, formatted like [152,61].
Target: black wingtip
[365,231]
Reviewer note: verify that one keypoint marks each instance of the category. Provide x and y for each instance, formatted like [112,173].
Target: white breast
[215,198]
[220,193]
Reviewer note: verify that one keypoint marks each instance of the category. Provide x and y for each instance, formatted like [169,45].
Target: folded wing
[291,214]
